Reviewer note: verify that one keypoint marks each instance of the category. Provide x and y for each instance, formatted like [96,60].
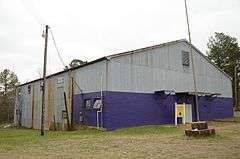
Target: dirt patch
[226,144]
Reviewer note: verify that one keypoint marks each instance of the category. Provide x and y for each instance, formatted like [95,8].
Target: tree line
[224,51]
[8,82]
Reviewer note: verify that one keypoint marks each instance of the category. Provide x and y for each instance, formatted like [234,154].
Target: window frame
[29,89]
[96,99]
[185,58]
[86,102]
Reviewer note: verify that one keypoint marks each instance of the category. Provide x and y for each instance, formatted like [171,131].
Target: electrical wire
[61,59]
[32,11]
[59,55]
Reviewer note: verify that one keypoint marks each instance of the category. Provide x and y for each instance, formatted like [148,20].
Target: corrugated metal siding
[37,105]
[52,104]
[161,68]
[87,78]
[26,107]
[143,72]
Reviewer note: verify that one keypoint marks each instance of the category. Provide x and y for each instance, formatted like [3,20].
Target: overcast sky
[90,29]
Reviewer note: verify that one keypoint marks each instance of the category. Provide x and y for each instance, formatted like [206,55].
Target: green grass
[18,139]
[10,138]
[151,129]
[136,142]
[236,117]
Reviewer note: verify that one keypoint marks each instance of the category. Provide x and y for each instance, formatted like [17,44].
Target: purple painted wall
[133,109]
[215,108]
[122,109]
[90,116]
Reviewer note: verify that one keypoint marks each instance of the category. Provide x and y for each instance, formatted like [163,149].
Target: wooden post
[184,114]
[44,80]
[176,114]
[54,122]
[65,102]
[72,102]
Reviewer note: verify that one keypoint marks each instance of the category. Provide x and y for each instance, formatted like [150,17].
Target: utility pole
[44,79]
[193,66]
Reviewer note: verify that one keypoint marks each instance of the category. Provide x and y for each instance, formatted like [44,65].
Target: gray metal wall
[161,69]
[87,79]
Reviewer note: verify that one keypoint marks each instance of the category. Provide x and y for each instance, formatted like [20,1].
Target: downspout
[106,89]
[101,101]
[101,107]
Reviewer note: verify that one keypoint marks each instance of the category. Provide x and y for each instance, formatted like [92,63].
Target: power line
[58,52]
[61,59]
[32,11]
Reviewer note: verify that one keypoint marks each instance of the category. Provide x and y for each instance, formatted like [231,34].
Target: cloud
[91,29]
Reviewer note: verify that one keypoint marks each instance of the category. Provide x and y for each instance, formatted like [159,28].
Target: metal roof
[132,52]
[165,44]
[70,69]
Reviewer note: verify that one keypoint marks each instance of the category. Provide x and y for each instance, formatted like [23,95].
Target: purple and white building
[133,88]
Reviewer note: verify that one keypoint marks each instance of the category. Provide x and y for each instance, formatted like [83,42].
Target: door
[188,113]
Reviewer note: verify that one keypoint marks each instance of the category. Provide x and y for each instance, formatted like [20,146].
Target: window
[87,103]
[29,89]
[60,82]
[185,58]
[97,104]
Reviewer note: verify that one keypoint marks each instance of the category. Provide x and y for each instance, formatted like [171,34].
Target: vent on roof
[185,58]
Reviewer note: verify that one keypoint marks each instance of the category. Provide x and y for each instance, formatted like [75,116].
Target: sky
[91,29]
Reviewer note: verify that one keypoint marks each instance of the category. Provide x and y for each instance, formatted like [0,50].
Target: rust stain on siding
[70,96]
[50,104]
[37,106]
[33,106]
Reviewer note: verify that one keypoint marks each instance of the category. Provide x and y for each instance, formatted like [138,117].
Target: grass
[11,137]
[163,141]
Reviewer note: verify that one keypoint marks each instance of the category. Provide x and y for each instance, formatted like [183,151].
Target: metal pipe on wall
[101,108]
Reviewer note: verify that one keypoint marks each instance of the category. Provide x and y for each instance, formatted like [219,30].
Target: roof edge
[145,48]
[169,43]
[131,52]
[206,58]
[70,69]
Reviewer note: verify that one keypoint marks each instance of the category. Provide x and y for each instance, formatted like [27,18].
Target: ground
[140,142]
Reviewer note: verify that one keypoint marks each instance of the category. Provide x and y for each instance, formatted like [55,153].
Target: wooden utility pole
[44,79]
[193,66]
